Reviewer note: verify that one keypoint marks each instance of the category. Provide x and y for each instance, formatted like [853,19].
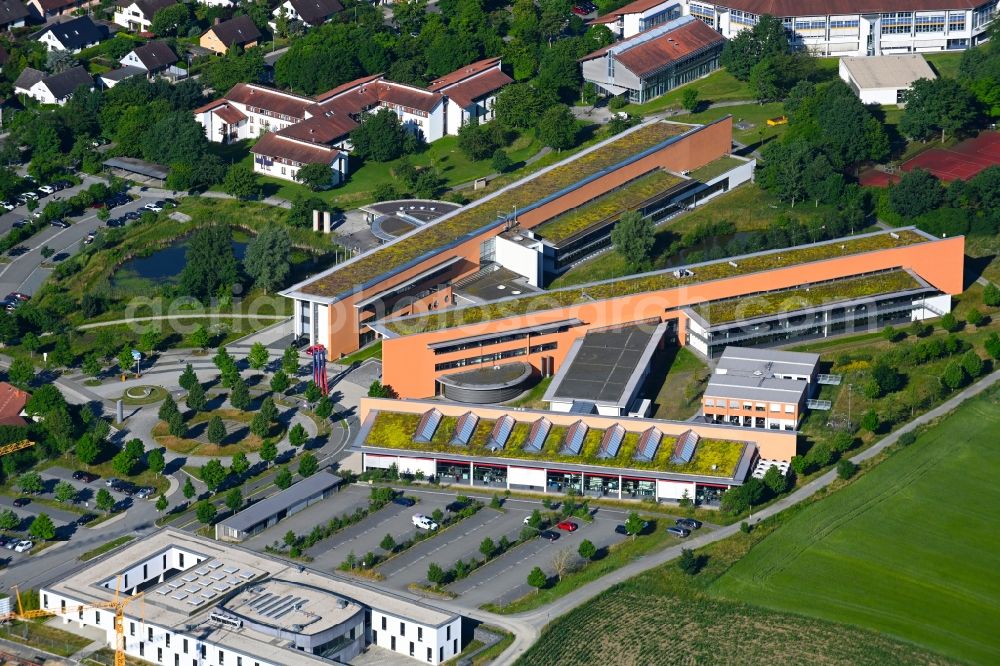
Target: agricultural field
[907,550]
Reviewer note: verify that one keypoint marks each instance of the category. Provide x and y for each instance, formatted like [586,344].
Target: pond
[163,266]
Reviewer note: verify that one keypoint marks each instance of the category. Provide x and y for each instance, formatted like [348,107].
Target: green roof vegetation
[430,237]
[716,168]
[608,206]
[777,302]
[394,430]
[653,282]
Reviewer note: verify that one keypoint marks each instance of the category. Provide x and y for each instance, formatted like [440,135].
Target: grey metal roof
[141,167]
[296,493]
[766,361]
[765,389]
[122,73]
[537,329]
[605,366]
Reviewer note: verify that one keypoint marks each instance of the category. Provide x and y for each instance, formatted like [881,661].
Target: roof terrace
[665,279]
[713,457]
[432,237]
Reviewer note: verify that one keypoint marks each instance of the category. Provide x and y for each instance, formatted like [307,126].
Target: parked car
[679,531]
[549,535]
[620,529]
[169,203]
[133,215]
[22,501]
[144,493]
[17,251]
[47,189]
[89,239]
[113,481]
[62,256]
[23,546]
[86,518]
[4,541]
[403,501]
[62,224]
[423,522]
[10,544]
[689,523]
[7,205]
[567,526]
[154,207]
[580,10]
[62,184]
[20,223]
[86,477]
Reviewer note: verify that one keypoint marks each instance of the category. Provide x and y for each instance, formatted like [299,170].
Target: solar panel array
[466,425]
[501,433]
[684,448]
[574,439]
[428,425]
[649,442]
[276,607]
[611,441]
[205,583]
[539,431]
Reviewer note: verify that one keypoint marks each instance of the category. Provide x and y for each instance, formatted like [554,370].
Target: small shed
[884,80]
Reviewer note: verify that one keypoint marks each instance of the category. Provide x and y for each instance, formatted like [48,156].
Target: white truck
[423,522]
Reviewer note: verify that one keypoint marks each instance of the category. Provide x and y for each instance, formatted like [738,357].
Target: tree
[280,382]
[196,399]
[587,549]
[749,47]
[535,519]
[870,421]
[104,500]
[290,361]
[167,408]
[316,176]
[124,464]
[65,491]
[257,357]
[764,81]
[940,105]
[9,520]
[308,465]
[918,192]
[234,500]
[974,317]
[239,396]
[268,452]
[171,21]
[216,431]
[972,364]
[297,436]
[380,137]
[991,295]
[846,469]
[259,425]
[205,512]
[213,474]
[283,479]
[537,578]
[689,99]
[949,322]
[501,162]
[633,239]
[634,524]
[519,105]
[268,258]
[775,480]
[31,342]
[88,449]
[435,574]
[241,182]
[187,379]
[209,264]
[199,339]
[388,544]
[240,464]
[42,528]
[162,503]
[688,562]
[557,127]
[379,390]
[188,489]
[324,407]
[155,461]
[21,372]
[175,425]
[487,547]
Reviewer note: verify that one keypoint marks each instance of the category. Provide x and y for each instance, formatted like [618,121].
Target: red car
[568,526]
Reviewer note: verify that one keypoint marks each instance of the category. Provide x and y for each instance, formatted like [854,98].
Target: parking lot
[341,503]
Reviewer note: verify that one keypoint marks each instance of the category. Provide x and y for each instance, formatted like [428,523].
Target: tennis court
[962,161]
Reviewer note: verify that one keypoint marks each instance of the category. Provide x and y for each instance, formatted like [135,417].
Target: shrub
[974,317]
[869,421]
[745,527]
[991,295]
[688,562]
[846,469]
[949,322]
[907,438]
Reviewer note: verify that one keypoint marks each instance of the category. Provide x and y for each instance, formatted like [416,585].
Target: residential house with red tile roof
[472,92]
[12,401]
[651,63]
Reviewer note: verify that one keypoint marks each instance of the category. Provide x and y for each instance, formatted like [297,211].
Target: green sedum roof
[653,282]
[394,430]
[777,302]
[608,206]
[396,254]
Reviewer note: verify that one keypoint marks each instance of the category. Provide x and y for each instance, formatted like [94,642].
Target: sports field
[962,161]
[910,549]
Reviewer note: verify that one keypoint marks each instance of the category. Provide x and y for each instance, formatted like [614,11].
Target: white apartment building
[639,16]
[209,604]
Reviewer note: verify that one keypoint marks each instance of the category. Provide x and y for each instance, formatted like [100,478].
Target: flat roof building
[211,604]
[268,512]
[884,80]
[760,388]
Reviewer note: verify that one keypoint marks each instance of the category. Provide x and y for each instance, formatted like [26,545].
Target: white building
[55,89]
[137,15]
[640,15]
[209,604]
[884,80]
[471,92]
[859,27]
[73,35]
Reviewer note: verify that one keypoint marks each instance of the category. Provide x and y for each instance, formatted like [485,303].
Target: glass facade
[638,488]
[489,476]
[601,486]
[563,482]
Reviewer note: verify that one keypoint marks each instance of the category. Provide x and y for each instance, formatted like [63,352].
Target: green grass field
[908,550]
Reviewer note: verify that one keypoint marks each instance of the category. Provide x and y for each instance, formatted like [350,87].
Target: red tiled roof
[324,127]
[272,145]
[648,56]
[408,96]
[464,72]
[273,100]
[636,7]
[52,5]
[12,401]
[467,91]
[345,87]
[229,114]
[368,92]
[782,8]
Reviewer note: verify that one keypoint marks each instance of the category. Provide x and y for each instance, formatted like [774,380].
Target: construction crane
[16,446]
[118,605]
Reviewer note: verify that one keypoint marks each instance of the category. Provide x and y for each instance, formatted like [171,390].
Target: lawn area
[106,547]
[44,637]
[719,86]
[677,381]
[371,351]
[753,113]
[907,550]
[532,398]
[945,64]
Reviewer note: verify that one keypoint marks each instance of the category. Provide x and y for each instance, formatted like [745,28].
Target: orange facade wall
[772,444]
[704,146]
[408,364]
